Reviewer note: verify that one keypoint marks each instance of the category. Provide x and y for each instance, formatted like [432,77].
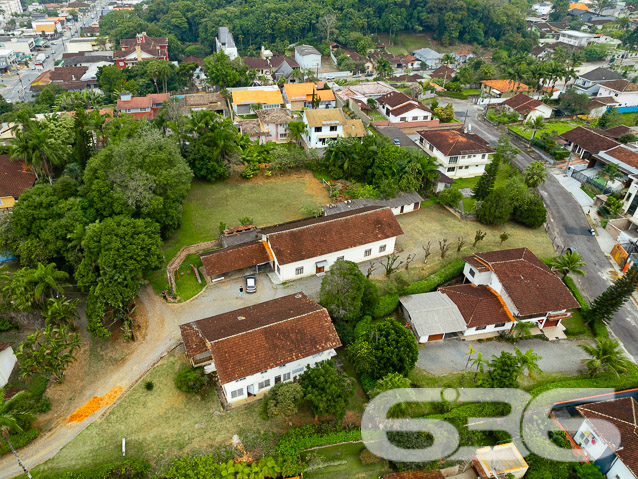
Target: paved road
[446,357]
[567,218]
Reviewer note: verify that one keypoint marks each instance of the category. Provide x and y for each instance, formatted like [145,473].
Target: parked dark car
[251,283]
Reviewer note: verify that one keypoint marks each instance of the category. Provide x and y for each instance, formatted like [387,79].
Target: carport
[254,257]
[432,316]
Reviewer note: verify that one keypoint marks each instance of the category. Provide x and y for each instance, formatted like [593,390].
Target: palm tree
[479,363]
[33,144]
[9,421]
[570,262]
[528,360]
[45,281]
[164,70]
[521,330]
[383,67]
[535,123]
[610,172]
[296,130]
[605,356]
[61,311]
[535,174]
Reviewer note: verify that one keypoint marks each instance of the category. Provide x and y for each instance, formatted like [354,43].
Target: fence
[583,178]
[178,259]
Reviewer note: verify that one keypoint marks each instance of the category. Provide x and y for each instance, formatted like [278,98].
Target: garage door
[435,337]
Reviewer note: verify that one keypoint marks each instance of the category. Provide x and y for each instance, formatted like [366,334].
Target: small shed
[432,316]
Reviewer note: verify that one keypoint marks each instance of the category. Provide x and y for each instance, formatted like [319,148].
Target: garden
[553,128]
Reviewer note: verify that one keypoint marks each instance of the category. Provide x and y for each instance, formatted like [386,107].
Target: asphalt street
[568,220]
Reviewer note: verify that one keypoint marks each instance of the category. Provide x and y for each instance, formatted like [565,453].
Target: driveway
[570,226]
[445,357]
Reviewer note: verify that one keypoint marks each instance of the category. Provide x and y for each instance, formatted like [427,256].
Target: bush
[149,385]
[445,274]
[298,439]
[386,305]
[191,380]
[571,285]
[578,331]
[7,325]
[44,405]
[131,468]
[345,331]
[19,440]
[560,154]
[599,328]
[368,383]
[450,197]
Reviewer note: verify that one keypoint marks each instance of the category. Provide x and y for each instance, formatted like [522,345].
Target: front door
[277,379]
[402,207]
[251,390]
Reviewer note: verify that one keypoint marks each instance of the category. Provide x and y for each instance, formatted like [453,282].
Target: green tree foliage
[497,208]
[445,114]
[346,293]
[327,391]
[574,103]
[282,400]
[535,174]
[570,262]
[605,355]
[503,373]
[383,67]
[611,300]
[61,312]
[225,72]
[530,210]
[116,253]
[191,380]
[588,470]
[505,150]
[48,352]
[386,347]
[144,177]
[485,184]
[30,288]
[451,197]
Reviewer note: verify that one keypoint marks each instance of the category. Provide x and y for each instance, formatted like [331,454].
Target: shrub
[44,405]
[599,328]
[560,154]
[386,305]
[450,197]
[298,439]
[7,325]
[19,440]
[345,331]
[149,385]
[578,331]
[368,383]
[131,468]
[445,274]
[191,380]
[366,457]
[571,285]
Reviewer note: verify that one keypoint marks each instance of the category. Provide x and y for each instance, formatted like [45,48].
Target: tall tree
[383,67]
[611,300]
[346,293]
[296,130]
[606,355]
[505,149]
[485,184]
[326,390]
[327,25]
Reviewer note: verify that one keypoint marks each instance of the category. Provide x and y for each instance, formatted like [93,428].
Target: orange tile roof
[506,85]
[579,6]
[303,91]
[266,97]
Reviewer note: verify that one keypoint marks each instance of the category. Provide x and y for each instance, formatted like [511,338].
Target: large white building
[615,454]
[252,349]
[624,92]
[9,7]
[226,43]
[576,38]
[398,107]
[589,82]
[308,58]
[459,154]
[323,125]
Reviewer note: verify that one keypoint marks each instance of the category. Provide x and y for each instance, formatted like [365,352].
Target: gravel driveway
[445,357]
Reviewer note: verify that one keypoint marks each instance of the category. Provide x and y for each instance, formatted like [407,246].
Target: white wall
[489,329]
[287,272]
[544,111]
[628,98]
[7,362]
[593,450]
[406,209]
[619,470]
[295,368]
[308,62]
[409,116]
[466,166]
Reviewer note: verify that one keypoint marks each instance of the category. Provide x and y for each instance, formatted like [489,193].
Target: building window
[277,379]
[283,136]
[333,128]
[264,384]
[483,156]
[480,328]
[318,129]
[453,160]
[415,118]
[499,325]
[299,270]
[286,377]
[421,139]
[367,252]
[451,170]
[340,258]
[403,118]
[236,393]
[382,248]
[472,273]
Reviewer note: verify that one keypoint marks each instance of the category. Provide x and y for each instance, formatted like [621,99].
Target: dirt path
[159,334]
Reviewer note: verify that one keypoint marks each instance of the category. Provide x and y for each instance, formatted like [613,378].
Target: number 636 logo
[528,422]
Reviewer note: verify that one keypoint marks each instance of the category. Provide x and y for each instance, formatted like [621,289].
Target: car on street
[251,283]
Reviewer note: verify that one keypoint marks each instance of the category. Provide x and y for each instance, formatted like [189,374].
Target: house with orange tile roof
[502,88]
[265,96]
[147,106]
[301,95]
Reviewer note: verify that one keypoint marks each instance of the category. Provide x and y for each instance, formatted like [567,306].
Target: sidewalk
[573,186]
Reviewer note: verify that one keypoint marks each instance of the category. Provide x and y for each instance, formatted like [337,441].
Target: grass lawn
[471,91]
[186,283]
[346,463]
[157,424]
[268,200]
[577,321]
[554,127]
[629,119]
[405,43]
[470,203]
[376,116]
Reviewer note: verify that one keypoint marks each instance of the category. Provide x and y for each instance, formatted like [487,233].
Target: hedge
[386,305]
[131,468]
[608,380]
[571,285]
[599,329]
[298,439]
[19,440]
[445,274]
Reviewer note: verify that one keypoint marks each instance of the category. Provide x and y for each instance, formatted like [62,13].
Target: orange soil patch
[95,403]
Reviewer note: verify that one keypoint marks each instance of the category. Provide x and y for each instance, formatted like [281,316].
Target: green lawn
[267,200]
[345,463]
[186,283]
[405,43]
[470,203]
[553,127]
[629,119]
[471,91]
[376,116]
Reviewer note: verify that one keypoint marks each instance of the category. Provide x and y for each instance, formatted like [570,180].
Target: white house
[615,454]
[8,59]
[527,108]
[308,58]
[589,82]
[542,8]
[458,153]
[576,38]
[328,124]
[225,42]
[623,91]
[399,107]
[431,58]
[7,362]
[528,288]
[404,202]
[308,247]
[251,349]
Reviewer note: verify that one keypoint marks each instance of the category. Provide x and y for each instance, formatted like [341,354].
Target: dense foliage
[611,300]
[327,390]
[298,439]
[191,380]
[346,293]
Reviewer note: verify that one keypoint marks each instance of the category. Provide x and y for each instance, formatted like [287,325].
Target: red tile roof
[144,40]
[263,336]
[623,414]
[143,101]
[456,142]
[624,155]
[256,63]
[479,305]
[15,177]
[620,85]
[394,99]
[192,59]
[505,86]
[529,283]
[589,140]
[522,104]
[409,107]
[235,258]
[310,238]
[415,475]
[443,72]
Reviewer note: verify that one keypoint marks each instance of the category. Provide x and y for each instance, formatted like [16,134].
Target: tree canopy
[346,293]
